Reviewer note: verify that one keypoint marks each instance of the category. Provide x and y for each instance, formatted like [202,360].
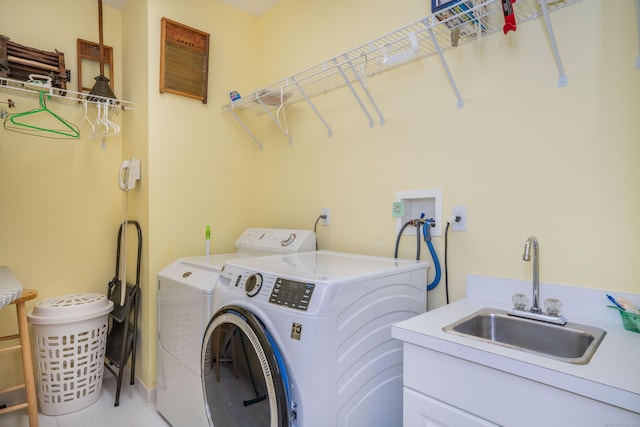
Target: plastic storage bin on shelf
[69,334]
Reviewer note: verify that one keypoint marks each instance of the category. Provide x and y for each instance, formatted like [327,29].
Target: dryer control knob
[289,240]
[253,284]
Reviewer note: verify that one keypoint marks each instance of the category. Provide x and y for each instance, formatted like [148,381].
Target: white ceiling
[253,7]
[118,4]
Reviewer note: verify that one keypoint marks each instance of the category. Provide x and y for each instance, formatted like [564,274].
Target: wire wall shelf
[430,36]
[34,88]
[100,125]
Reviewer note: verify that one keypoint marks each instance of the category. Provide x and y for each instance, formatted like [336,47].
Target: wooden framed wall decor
[89,60]
[184,60]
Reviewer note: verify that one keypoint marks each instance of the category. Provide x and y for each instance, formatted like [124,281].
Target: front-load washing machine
[185,306]
[305,340]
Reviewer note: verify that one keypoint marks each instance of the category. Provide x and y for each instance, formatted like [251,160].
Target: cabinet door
[420,410]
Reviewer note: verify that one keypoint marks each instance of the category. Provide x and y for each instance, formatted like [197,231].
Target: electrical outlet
[460,211]
[327,220]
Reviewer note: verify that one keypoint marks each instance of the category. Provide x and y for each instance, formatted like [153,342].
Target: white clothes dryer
[305,340]
[185,306]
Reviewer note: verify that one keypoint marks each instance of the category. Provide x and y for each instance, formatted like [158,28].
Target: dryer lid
[196,272]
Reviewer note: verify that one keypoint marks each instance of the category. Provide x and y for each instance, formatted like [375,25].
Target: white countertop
[611,376]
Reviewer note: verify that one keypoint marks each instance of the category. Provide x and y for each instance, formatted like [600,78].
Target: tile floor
[132,411]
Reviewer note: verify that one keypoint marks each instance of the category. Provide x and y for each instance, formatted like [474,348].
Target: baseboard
[146,394]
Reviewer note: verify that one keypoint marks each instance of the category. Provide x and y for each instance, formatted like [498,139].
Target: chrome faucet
[532,246]
[553,306]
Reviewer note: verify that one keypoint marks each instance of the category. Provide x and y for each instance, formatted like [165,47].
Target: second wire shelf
[432,35]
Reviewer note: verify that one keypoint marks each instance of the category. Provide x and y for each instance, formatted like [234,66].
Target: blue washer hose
[427,238]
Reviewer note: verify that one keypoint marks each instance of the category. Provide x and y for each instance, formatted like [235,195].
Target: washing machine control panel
[290,293]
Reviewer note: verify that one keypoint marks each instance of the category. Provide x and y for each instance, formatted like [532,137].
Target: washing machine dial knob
[253,284]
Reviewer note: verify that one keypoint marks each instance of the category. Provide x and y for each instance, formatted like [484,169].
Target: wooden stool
[27,364]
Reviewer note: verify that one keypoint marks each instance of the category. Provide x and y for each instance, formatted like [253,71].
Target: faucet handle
[553,306]
[520,301]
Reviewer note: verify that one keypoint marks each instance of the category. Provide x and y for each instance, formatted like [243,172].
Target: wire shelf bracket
[452,81]
[313,107]
[563,80]
[274,117]
[245,128]
[363,85]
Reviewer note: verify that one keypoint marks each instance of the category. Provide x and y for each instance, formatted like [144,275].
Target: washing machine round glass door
[244,378]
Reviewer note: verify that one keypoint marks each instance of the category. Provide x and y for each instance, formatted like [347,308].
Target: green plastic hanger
[71,130]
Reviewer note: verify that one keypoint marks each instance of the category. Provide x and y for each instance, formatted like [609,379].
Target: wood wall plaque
[89,56]
[184,60]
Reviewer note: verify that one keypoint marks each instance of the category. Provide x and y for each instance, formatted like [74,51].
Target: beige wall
[524,156]
[60,201]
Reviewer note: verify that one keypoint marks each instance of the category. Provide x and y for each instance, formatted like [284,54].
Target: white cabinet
[424,411]
[443,390]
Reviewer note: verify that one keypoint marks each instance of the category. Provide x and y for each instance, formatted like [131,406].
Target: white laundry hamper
[69,334]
